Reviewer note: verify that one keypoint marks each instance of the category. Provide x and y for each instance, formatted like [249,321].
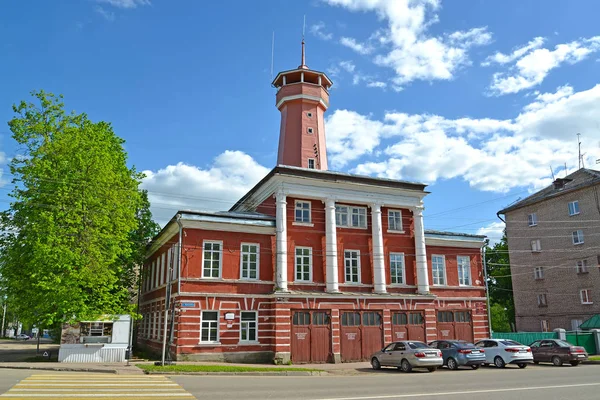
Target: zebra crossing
[70,386]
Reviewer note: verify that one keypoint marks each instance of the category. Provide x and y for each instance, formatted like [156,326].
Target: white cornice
[470,244]
[228,227]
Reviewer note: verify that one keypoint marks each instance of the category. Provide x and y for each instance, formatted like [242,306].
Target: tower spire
[303,64]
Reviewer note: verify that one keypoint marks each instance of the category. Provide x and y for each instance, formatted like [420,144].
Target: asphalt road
[532,383]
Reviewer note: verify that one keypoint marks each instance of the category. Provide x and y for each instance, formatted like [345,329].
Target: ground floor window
[210,327]
[248,326]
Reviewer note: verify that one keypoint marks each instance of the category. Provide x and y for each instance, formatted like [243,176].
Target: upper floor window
[438,269]
[544,325]
[397,268]
[464,270]
[532,219]
[353,217]
[538,272]
[352,266]
[249,260]
[586,296]
[311,163]
[211,259]
[302,211]
[582,267]
[303,264]
[395,220]
[536,245]
[542,301]
[574,207]
[578,237]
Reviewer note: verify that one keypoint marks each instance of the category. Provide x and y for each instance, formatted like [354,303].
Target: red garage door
[408,326]
[361,334]
[311,337]
[455,325]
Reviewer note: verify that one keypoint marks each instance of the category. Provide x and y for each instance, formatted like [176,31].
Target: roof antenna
[579,145]
[272,54]
[552,172]
[303,65]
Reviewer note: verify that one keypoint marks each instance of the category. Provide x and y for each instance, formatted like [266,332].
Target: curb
[270,373]
[591,362]
[107,371]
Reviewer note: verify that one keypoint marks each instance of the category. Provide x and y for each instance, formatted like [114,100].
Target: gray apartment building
[554,248]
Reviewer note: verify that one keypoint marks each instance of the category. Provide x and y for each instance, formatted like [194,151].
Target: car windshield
[417,345]
[562,343]
[510,343]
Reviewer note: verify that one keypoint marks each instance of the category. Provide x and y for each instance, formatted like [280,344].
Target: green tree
[72,235]
[500,322]
[500,284]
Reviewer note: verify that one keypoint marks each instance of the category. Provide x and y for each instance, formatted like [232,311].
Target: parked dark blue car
[458,353]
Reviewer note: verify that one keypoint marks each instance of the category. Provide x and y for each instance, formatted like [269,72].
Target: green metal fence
[525,338]
[584,339]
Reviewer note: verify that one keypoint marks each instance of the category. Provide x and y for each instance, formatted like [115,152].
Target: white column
[331,259]
[281,237]
[421,254]
[378,258]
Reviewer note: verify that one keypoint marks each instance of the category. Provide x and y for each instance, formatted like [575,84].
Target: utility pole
[579,147]
[3,333]
[487,293]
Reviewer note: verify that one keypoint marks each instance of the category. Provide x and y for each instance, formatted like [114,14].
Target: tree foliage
[78,221]
[500,284]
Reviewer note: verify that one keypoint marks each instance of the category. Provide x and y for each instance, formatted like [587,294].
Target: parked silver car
[407,355]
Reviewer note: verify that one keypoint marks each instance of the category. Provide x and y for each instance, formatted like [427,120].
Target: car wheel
[452,364]
[499,362]
[375,363]
[405,366]
[476,366]
[522,365]
[431,369]
[574,363]
[556,361]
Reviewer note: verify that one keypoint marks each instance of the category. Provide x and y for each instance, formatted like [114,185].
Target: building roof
[577,180]
[453,235]
[592,323]
[332,176]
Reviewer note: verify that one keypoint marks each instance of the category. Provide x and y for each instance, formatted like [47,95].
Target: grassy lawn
[216,368]
[595,358]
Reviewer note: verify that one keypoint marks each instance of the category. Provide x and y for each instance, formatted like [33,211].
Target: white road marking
[404,396]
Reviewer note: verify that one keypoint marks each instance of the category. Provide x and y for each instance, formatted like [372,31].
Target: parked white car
[503,351]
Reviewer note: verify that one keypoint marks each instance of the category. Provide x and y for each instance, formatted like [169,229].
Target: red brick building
[310,265]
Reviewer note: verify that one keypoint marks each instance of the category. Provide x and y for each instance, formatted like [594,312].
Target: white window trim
[533,221]
[544,325]
[314,163]
[359,268]
[538,248]
[588,301]
[242,261]
[310,130]
[349,217]
[302,223]
[569,207]
[535,273]
[256,328]
[218,341]
[468,266]
[220,242]
[169,267]
[309,114]
[152,274]
[403,269]
[310,266]
[162,268]
[578,237]
[401,222]
[584,268]
[445,273]
[545,302]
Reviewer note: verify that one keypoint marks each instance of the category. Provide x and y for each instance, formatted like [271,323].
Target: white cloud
[125,3]
[377,84]
[347,65]
[215,188]
[318,30]
[489,154]
[534,64]
[360,48]
[107,15]
[410,50]
[493,231]
[501,58]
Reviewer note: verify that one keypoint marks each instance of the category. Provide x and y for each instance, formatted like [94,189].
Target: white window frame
[536,246]
[443,266]
[402,274]
[245,326]
[169,266]
[162,268]
[544,325]
[587,299]
[343,210]
[309,114]
[355,255]
[220,243]
[463,264]
[296,265]
[153,275]
[532,219]
[310,130]
[575,324]
[301,202]
[542,300]
[314,164]
[243,266]
[538,273]
[577,237]
[157,281]
[582,266]
[573,208]
[392,218]
[202,320]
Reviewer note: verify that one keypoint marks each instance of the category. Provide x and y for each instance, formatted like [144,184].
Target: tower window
[310,130]
[309,114]
[311,163]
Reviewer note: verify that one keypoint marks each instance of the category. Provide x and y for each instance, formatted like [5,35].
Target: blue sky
[478,99]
